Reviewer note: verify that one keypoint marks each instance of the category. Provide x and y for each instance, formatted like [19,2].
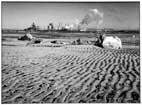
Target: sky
[20,15]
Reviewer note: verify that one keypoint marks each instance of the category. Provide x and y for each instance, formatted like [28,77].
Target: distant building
[50,26]
[33,28]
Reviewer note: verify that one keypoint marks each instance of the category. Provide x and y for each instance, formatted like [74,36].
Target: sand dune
[70,74]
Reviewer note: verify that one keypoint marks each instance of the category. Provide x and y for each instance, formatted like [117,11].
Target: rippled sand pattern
[70,74]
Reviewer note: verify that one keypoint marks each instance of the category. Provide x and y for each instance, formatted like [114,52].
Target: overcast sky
[116,15]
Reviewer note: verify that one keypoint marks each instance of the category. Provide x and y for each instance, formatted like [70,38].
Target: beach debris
[108,41]
[54,41]
[27,36]
[35,41]
[30,38]
[112,42]
[76,42]
[58,42]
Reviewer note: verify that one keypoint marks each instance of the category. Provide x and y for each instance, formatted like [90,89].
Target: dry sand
[69,74]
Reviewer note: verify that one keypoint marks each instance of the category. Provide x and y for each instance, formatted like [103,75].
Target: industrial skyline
[117,15]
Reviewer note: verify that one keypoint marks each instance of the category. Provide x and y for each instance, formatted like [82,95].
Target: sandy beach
[69,74]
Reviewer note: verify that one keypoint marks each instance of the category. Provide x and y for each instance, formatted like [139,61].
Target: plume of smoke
[73,26]
[94,15]
[77,22]
[69,26]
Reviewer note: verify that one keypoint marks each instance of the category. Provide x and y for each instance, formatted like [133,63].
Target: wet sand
[69,74]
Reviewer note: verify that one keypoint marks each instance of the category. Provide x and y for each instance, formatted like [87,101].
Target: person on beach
[100,39]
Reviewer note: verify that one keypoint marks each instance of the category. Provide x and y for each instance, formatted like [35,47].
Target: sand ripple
[70,74]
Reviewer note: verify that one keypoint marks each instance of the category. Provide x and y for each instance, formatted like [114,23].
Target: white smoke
[77,22]
[73,26]
[94,15]
[69,27]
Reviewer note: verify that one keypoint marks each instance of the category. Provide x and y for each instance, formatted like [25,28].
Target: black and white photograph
[70,52]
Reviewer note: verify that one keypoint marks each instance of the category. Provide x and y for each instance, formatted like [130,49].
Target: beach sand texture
[70,74]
